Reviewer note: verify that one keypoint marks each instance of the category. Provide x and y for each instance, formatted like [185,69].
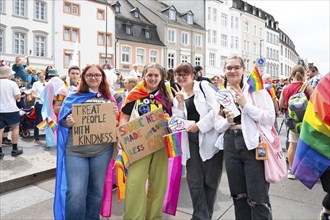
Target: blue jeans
[85,180]
[246,178]
[37,108]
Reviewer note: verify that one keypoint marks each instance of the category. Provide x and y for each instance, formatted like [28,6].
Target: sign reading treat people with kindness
[95,123]
[143,135]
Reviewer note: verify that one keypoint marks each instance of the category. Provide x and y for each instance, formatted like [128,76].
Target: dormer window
[147,32]
[172,14]
[190,19]
[116,7]
[135,12]
[128,28]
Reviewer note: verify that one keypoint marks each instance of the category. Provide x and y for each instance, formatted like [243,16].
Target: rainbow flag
[271,91]
[52,125]
[29,97]
[121,164]
[42,126]
[120,90]
[173,144]
[255,80]
[312,156]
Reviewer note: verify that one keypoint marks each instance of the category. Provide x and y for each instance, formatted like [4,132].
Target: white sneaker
[290,175]
[324,216]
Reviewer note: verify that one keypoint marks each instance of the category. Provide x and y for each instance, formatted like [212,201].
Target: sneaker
[15,153]
[324,216]
[1,155]
[290,175]
[36,139]
[6,141]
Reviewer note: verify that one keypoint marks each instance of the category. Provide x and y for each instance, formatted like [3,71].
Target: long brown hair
[104,88]
[298,72]
[161,85]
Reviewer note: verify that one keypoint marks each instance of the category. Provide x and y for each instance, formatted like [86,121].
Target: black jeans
[37,108]
[203,179]
[325,180]
[246,177]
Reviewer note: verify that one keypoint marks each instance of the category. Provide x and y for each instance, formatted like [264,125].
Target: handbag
[275,165]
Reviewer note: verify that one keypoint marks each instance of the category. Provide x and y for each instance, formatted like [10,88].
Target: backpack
[296,109]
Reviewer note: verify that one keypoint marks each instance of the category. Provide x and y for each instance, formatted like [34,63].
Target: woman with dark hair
[147,95]
[203,160]
[46,72]
[81,170]
[246,175]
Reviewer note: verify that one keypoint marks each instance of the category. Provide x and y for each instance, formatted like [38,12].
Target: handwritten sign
[143,135]
[95,123]
[226,99]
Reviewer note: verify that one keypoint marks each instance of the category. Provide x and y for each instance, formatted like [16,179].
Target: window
[244,45]
[254,29]
[19,43]
[67,56]
[236,42]
[260,32]
[40,46]
[171,36]
[232,21]
[198,41]
[172,14]
[100,14]
[232,42]
[140,56]
[170,60]
[101,39]
[236,22]
[153,56]
[128,29]
[2,38]
[222,61]
[214,38]
[246,26]
[40,10]
[198,61]
[2,6]
[190,18]
[267,36]
[215,13]
[20,7]
[184,59]
[209,13]
[71,34]
[254,47]
[71,8]
[125,54]
[209,36]
[105,59]
[223,40]
[212,59]
[147,33]
[185,38]
[224,20]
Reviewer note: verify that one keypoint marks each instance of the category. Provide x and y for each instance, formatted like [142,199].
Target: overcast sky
[306,23]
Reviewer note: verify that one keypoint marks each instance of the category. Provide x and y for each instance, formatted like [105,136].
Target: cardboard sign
[143,135]
[95,123]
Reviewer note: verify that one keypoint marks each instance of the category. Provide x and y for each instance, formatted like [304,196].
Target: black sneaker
[15,153]
[1,155]
[6,141]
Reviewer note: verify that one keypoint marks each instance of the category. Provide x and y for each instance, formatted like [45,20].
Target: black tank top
[191,109]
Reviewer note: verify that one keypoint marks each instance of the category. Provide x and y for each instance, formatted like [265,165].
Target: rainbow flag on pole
[255,80]
[173,144]
[42,126]
[52,125]
[312,156]
[121,164]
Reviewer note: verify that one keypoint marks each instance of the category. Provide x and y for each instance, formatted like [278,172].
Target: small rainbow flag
[42,126]
[120,167]
[173,144]
[28,97]
[255,80]
[120,90]
[52,125]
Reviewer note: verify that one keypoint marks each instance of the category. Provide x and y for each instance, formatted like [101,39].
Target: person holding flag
[246,175]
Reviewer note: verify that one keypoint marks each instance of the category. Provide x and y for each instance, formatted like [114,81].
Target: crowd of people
[218,135]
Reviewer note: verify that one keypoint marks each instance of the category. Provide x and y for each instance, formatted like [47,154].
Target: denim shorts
[7,119]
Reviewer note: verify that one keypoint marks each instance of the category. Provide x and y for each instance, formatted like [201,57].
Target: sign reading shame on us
[95,123]
[143,135]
